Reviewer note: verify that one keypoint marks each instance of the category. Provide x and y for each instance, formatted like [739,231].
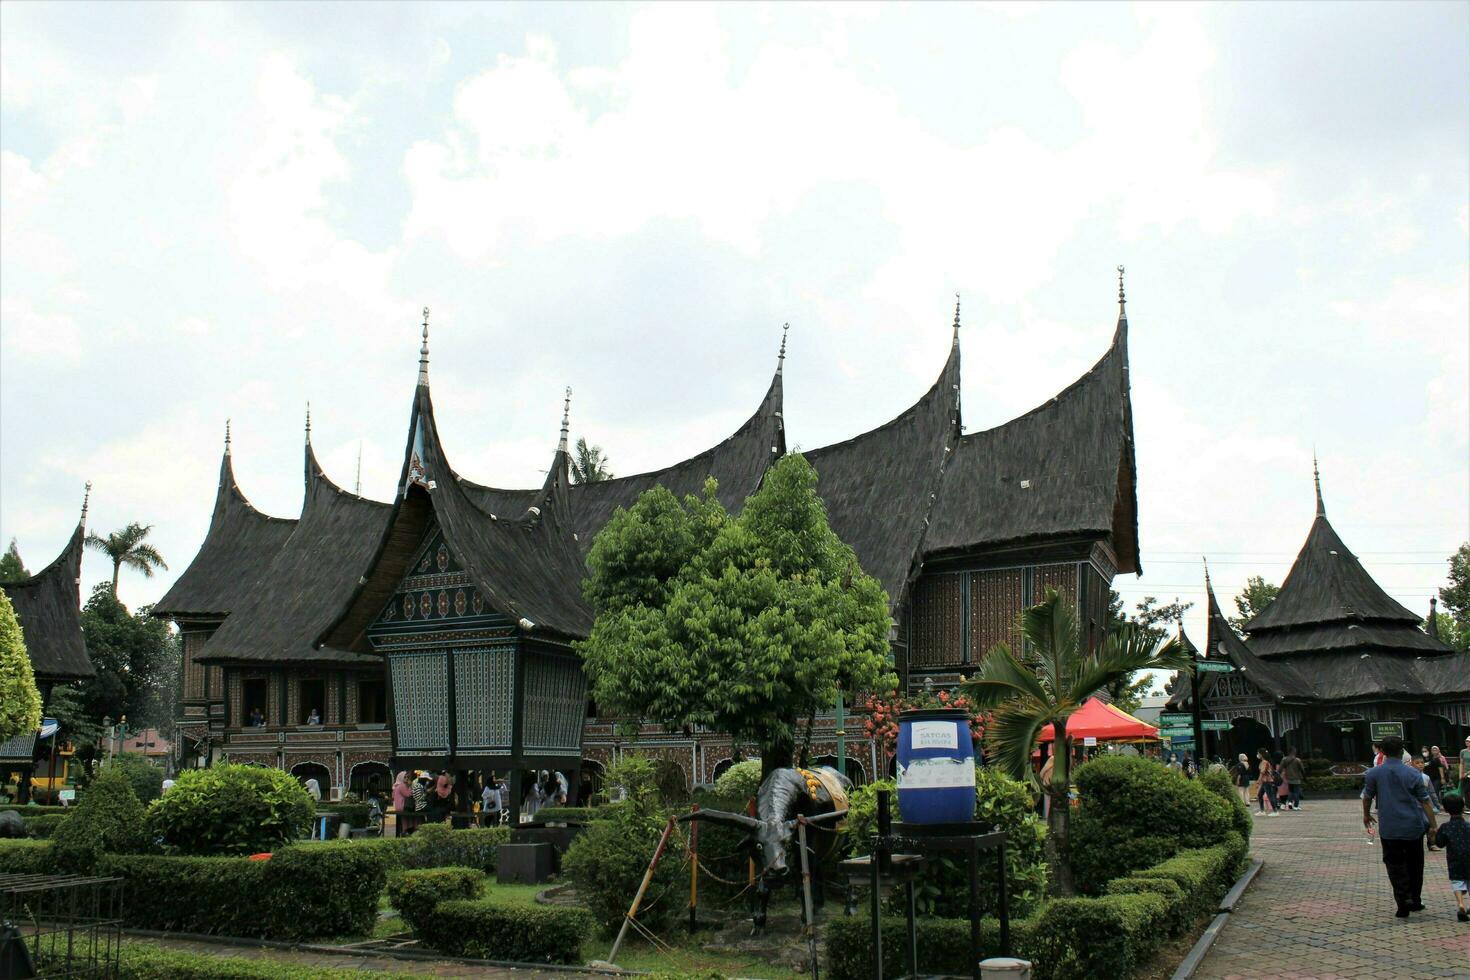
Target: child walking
[1454,836]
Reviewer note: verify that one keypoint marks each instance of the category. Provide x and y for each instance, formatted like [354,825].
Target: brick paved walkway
[1321,909]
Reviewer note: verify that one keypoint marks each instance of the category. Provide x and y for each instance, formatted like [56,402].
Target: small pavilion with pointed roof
[464,601]
[1329,656]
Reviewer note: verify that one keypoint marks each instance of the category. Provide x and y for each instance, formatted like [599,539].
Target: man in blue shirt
[1404,816]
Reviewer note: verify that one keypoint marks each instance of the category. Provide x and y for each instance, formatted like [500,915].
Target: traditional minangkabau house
[1329,656]
[438,631]
[48,606]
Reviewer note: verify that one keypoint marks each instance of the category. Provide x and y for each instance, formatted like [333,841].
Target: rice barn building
[437,630]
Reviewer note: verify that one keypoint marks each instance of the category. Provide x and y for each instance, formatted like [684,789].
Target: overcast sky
[226,211]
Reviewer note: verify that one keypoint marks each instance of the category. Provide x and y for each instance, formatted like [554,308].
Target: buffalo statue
[819,795]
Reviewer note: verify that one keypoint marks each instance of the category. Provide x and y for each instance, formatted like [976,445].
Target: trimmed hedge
[560,814]
[525,934]
[1109,936]
[43,825]
[944,945]
[414,894]
[26,857]
[1333,784]
[139,961]
[300,893]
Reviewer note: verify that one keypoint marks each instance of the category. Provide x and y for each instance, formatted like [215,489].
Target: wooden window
[312,700]
[372,702]
[253,702]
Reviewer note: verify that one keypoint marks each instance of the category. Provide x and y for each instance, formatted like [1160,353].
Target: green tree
[1128,692]
[127,547]
[1456,595]
[20,702]
[136,659]
[1053,677]
[589,464]
[1252,601]
[12,569]
[1449,631]
[746,625]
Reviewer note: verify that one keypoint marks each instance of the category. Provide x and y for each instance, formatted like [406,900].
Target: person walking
[1240,775]
[1293,773]
[1465,770]
[1438,771]
[1266,785]
[1403,818]
[1454,837]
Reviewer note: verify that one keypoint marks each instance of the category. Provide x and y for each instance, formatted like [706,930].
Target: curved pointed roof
[239,546]
[308,582]
[1064,468]
[48,605]
[1328,585]
[879,487]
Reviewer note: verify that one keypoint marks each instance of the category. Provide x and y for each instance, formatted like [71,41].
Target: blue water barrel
[936,766]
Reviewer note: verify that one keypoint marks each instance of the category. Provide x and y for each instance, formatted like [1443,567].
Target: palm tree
[126,547]
[1057,675]
[590,464]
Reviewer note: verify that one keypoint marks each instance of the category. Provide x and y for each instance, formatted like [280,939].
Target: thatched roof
[1064,468]
[237,550]
[307,583]
[48,605]
[879,487]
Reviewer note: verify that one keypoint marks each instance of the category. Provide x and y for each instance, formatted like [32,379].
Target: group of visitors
[1274,779]
[1406,826]
[425,797]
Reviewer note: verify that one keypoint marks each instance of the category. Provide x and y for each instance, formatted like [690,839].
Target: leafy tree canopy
[744,624]
[1154,620]
[137,663]
[1456,596]
[1252,601]
[12,569]
[20,702]
[589,464]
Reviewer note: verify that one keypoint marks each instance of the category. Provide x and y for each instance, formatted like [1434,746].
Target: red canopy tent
[1103,722]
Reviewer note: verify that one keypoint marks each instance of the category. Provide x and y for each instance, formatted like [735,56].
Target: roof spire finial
[227,437]
[956,318]
[566,421]
[1207,570]
[781,357]
[1317,481]
[358,488]
[1122,299]
[424,352]
[308,423]
[1433,622]
[87,499]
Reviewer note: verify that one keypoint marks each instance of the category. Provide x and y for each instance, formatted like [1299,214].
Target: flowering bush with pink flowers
[883,710]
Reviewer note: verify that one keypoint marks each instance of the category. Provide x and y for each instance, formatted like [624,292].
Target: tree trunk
[1058,824]
[116,567]
[776,755]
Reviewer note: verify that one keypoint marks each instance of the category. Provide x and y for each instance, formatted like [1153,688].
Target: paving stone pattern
[1321,909]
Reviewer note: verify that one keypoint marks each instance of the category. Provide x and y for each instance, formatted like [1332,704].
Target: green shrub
[1001,802]
[1332,784]
[26,857]
[525,934]
[944,945]
[607,860]
[108,820]
[414,894]
[741,780]
[1240,815]
[723,851]
[436,846]
[1177,917]
[139,961]
[43,825]
[1109,936]
[1135,813]
[562,814]
[1203,876]
[300,893]
[231,809]
[146,778]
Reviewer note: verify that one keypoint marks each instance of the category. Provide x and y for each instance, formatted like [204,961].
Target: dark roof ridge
[316,473]
[72,547]
[229,490]
[908,413]
[48,606]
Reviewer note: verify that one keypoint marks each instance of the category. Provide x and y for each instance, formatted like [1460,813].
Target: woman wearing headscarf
[315,789]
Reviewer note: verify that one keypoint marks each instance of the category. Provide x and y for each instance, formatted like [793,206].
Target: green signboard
[1176,732]
[1181,743]
[1215,726]
[1380,730]
[1176,718]
[1213,666]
